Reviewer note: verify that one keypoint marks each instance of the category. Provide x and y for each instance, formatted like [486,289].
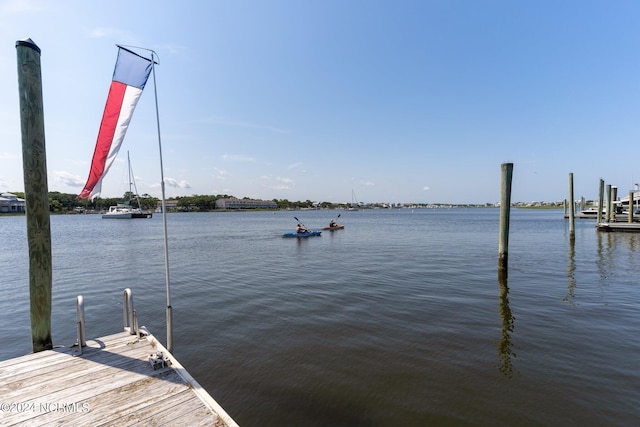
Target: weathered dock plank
[111,383]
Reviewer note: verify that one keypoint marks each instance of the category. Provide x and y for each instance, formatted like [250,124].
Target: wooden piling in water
[609,204]
[36,192]
[572,217]
[600,201]
[630,207]
[505,210]
[614,197]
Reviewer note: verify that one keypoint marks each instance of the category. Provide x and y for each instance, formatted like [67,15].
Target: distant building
[10,203]
[624,202]
[171,205]
[245,204]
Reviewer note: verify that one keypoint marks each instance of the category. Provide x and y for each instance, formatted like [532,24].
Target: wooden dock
[593,215]
[112,382]
[633,227]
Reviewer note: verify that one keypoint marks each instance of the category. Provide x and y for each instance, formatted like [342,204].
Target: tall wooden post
[572,225]
[505,210]
[505,346]
[630,207]
[600,201]
[614,197]
[36,192]
[609,204]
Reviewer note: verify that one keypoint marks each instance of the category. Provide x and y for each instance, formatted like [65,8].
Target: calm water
[399,319]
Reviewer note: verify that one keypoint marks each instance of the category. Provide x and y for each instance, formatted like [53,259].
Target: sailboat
[124,210]
[354,202]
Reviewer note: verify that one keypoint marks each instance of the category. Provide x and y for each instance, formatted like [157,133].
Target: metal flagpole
[164,205]
[164,214]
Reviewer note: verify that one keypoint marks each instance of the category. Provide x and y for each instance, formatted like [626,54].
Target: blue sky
[397,101]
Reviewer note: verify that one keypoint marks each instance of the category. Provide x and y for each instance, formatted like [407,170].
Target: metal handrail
[129,313]
[80,323]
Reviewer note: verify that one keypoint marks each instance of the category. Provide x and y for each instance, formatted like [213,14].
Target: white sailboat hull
[125,212]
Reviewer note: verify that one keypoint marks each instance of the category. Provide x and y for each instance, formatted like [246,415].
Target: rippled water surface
[399,319]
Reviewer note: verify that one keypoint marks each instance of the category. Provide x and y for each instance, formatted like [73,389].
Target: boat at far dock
[592,213]
[124,210]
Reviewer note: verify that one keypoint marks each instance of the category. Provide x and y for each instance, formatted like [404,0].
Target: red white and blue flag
[129,78]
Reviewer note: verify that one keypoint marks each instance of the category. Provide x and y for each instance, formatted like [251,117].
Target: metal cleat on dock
[156,360]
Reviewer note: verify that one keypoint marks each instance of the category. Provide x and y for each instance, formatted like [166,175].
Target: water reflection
[616,251]
[505,347]
[604,247]
[571,273]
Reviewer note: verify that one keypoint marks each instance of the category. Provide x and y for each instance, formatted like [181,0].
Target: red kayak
[335,227]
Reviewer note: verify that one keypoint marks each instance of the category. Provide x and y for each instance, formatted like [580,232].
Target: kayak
[335,227]
[305,234]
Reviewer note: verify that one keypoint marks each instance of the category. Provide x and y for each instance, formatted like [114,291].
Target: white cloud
[105,32]
[226,191]
[363,182]
[281,183]
[173,48]
[177,184]
[284,184]
[284,180]
[220,174]
[425,188]
[237,158]
[297,166]
[66,178]
[19,6]
[282,187]
[236,123]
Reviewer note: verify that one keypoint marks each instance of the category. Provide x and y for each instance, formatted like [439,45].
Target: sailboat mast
[129,172]
[132,180]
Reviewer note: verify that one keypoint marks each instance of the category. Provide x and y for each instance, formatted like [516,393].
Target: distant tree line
[204,203]
[70,203]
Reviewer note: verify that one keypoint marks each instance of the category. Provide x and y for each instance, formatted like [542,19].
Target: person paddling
[301,229]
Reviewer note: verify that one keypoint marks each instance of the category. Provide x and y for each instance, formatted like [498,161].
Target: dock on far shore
[629,227]
[121,379]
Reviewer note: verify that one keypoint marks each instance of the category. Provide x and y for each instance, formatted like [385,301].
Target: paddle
[301,223]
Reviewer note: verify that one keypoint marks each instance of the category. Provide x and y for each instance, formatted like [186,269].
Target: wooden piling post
[609,204]
[614,197]
[572,226]
[600,201]
[630,207]
[36,192]
[505,210]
